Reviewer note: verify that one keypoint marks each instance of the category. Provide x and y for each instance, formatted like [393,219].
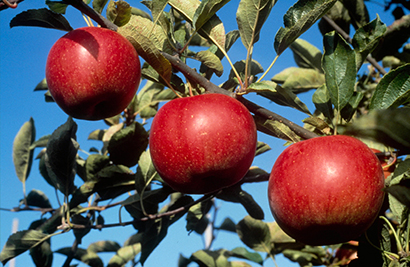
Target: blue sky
[23,58]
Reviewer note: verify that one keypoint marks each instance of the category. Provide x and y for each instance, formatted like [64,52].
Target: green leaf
[57,7]
[196,217]
[126,145]
[261,148]
[20,242]
[60,157]
[37,198]
[349,110]
[243,253]
[212,30]
[147,105]
[393,89]
[124,255]
[119,12]
[254,233]
[300,17]
[95,163]
[41,86]
[250,16]
[42,255]
[278,94]
[205,11]
[299,79]
[276,128]
[236,194]
[104,246]
[306,55]
[146,172]
[149,40]
[210,258]
[99,5]
[42,142]
[22,153]
[210,60]
[401,191]
[390,127]
[228,225]
[366,39]
[339,66]
[87,257]
[323,104]
[41,18]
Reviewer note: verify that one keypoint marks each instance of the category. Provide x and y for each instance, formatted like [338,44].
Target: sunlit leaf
[210,60]
[366,39]
[119,12]
[277,129]
[300,17]
[99,5]
[149,40]
[250,16]
[22,152]
[390,127]
[206,10]
[104,246]
[393,89]
[210,258]
[339,66]
[124,255]
[323,103]
[88,257]
[146,105]
[243,253]
[306,55]
[57,7]
[212,30]
[278,94]
[146,172]
[254,233]
[299,79]
[41,18]
[261,148]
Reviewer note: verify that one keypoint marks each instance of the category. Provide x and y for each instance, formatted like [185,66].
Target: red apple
[326,190]
[93,73]
[203,143]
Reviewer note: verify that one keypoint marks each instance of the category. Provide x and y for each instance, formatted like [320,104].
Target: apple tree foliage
[372,105]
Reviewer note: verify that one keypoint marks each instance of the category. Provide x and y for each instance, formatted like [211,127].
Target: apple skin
[201,144]
[326,190]
[93,73]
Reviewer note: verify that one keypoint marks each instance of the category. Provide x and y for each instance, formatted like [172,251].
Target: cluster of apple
[321,191]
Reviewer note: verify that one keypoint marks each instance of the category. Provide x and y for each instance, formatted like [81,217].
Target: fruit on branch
[93,73]
[326,190]
[201,144]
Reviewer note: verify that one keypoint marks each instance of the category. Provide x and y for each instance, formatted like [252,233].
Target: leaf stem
[269,68]
[399,246]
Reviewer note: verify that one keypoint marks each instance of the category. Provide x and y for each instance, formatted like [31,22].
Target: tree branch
[86,9]
[252,107]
